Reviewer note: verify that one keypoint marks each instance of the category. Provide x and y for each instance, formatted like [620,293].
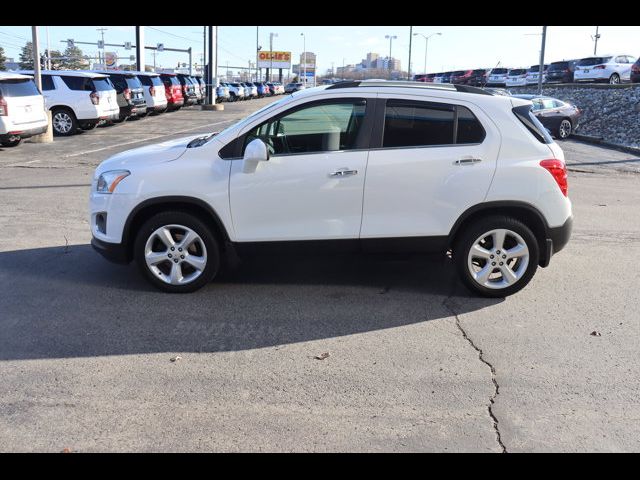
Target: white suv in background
[77,99]
[612,69]
[373,166]
[22,111]
[154,93]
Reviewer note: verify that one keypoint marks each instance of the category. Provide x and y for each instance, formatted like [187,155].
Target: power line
[174,35]
[16,36]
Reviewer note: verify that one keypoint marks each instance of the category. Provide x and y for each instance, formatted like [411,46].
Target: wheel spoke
[483,275]
[176,273]
[188,239]
[166,237]
[154,258]
[478,251]
[517,251]
[199,263]
[508,275]
[498,239]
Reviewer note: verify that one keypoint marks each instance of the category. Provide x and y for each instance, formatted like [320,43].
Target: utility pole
[48,65]
[257,53]
[391,38]
[304,54]
[410,38]
[102,30]
[271,35]
[140,61]
[541,71]
[595,38]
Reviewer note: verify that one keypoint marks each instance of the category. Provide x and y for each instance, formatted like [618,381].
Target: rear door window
[414,124]
[18,88]
[77,83]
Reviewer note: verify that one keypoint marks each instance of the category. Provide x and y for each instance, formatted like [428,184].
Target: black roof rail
[344,84]
[468,89]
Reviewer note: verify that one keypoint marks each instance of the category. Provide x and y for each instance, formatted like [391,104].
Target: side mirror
[256,151]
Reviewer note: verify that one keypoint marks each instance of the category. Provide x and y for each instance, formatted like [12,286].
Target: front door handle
[343,172]
[467,161]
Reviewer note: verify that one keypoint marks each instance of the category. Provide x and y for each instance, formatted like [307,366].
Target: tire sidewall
[477,228]
[192,222]
[74,122]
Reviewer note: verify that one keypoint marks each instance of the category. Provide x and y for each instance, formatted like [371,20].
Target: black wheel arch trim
[173,199]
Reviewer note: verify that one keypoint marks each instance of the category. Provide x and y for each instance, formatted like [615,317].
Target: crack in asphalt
[496,387]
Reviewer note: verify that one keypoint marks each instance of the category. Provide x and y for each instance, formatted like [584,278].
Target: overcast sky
[456,48]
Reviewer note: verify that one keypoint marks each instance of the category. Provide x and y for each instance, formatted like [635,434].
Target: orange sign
[275,59]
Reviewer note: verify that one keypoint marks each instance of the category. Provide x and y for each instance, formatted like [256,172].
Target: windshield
[587,62]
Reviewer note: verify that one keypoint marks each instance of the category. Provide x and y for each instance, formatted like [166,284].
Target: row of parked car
[81,100]
[612,69]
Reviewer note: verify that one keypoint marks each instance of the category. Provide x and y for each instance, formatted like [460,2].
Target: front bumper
[114,252]
[557,239]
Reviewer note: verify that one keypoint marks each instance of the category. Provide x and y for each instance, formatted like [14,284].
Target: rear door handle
[467,161]
[343,172]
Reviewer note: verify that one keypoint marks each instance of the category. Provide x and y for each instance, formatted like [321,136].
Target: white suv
[22,112]
[374,166]
[604,68]
[154,92]
[77,99]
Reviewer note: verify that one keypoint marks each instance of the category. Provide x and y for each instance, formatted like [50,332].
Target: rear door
[434,160]
[25,105]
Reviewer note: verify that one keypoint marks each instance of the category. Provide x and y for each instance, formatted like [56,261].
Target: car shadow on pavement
[66,302]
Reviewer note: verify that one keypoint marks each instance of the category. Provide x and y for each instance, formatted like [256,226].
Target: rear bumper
[26,133]
[114,252]
[557,239]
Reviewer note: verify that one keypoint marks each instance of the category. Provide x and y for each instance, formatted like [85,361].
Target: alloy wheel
[565,129]
[62,122]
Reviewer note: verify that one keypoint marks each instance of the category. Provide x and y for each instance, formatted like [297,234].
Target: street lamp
[304,55]
[271,35]
[426,46]
[391,38]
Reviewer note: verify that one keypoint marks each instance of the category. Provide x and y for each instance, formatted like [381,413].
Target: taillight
[127,93]
[558,170]
[635,68]
[599,67]
[95,98]
[4,109]
[152,91]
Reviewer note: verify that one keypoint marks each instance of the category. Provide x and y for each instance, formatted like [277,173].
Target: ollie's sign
[275,59]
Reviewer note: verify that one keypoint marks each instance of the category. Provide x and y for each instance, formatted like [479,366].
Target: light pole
[104,61]
[426,45]
[304,58]
[391,38]
[271,35]
[595,39]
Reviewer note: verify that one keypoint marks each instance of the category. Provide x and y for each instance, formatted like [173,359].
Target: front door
[311,187]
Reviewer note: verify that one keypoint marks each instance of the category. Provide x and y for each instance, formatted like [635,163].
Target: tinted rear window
[133,82]
[459,72]
[410,124]
[587,62]
[518,71]
[77,83]
[18,88]
[499,71]
[470,130]
[529,120]
[481,71]
[101,84]
[558,66]
[170,80]
[534,68]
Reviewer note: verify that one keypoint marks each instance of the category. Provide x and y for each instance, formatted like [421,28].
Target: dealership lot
[414,361]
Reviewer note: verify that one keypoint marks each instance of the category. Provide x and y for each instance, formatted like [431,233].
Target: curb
[603,143]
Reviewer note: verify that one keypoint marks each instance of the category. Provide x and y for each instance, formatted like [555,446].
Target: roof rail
[409,84]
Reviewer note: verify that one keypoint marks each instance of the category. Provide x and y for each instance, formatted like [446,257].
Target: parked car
[154,92]
[461,77]
[497,177]
[188,89]
[560,118]
[130,94]
[517,77]
[561,72]
[263,89]
[77,99]
[222,93]
[427,78]
[236,91]
[437,78]
[446,77]
[612,69]
[250,90]
[197,89]
[478,77]
[22,110]
[635,72]
[293,87]
[498,91]
[203,87]
[279,88]
[172,90]
[533,74]
[498,77]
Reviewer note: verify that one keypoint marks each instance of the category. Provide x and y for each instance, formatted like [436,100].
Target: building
[370,60]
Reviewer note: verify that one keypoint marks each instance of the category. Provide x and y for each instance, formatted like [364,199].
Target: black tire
[614,79]
[89,126]
[12,143]
[68,116]
[465,240]
[564,133]
[196,224]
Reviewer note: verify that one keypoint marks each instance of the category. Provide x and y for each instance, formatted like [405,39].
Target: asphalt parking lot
[415,363]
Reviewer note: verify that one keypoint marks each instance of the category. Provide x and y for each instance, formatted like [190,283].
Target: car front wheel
[614,79]
[496,256]
[564,129]
[177,252]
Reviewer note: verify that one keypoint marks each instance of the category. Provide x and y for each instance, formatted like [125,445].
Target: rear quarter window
[529,120]
[18,88]
[133,82]
[101,84]
[77,83]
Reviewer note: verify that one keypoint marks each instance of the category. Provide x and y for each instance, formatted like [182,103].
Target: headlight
[108,181]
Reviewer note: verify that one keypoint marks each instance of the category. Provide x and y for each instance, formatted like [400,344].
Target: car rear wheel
[13,142]
[177,252]
[496,256]
[564,129]
[614,79]
[64,122]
